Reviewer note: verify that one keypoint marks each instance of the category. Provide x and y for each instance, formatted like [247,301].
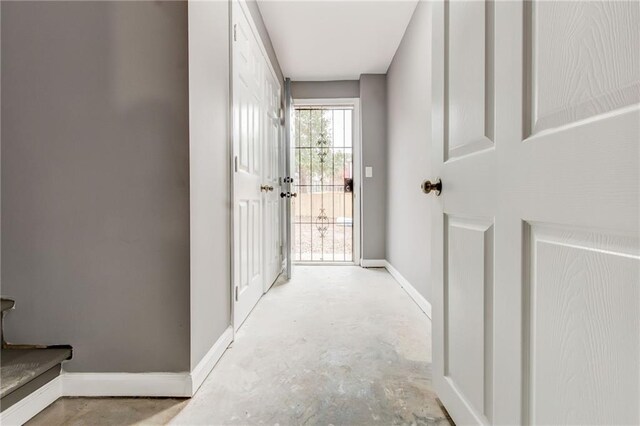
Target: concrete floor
[335,345]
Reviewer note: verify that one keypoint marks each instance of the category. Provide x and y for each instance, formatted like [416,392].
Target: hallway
[335,345]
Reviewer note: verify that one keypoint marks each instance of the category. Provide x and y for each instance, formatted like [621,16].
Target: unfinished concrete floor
[336,345]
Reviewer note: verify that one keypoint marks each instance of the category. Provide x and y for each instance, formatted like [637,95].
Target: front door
[536,260]
[324,217]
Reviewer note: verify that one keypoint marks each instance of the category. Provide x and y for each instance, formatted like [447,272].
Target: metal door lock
[288,194]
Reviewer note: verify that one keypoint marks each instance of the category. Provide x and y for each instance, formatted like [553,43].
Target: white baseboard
[210,360]
[373,263]
[117,384]
[146,384]
[23,410]
[411,291]
[126,384]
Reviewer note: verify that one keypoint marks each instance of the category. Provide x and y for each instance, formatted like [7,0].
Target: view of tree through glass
[323,210]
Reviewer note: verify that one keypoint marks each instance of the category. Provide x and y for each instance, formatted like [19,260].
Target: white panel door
[536,256]
[272,200]
[248,131]
[289,167]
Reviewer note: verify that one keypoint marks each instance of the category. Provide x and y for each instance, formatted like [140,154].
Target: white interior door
[272,200]
[536,270]
[248,129]
[288,184]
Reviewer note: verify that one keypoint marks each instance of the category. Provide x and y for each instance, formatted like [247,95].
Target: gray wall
[209,173]
[373,113]
[325,89]
[409,153]
[95,181]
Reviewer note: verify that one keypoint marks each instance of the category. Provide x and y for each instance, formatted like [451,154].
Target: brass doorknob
[266,188]
[428,187]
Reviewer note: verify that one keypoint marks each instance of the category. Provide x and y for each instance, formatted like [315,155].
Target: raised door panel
[243,265]
[583,328]
[468,305]
[243,66]
[584,60]
[469,81]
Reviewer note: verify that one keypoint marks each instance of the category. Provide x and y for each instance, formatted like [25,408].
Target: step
[20,366]
[7,304]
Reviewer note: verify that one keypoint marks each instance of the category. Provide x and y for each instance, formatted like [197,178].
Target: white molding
[210,360]
[411,291]
[23,410]
[117,384]
[126,384]
[326,102]
[373,263]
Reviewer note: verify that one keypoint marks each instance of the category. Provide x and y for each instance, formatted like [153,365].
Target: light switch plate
[368,171]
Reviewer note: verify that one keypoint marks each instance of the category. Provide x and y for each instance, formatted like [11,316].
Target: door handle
[288,194]
[428,187]
[266,188]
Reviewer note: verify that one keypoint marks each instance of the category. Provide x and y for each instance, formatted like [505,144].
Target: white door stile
[289,169]
[272,200]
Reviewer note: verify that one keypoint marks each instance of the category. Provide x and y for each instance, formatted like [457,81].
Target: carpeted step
[7,304]
[19,366]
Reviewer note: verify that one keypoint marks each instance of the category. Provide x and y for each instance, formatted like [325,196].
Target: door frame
[243,8]
[357,161]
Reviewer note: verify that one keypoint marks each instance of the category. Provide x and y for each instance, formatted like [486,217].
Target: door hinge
[235,163]
[235,32]
[236,293]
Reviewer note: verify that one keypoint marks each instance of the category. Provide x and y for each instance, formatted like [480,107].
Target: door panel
[468,303]
[583,306]
[469,110]
[536,233]
[581,64]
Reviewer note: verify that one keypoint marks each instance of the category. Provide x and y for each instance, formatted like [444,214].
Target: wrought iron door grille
[323,209]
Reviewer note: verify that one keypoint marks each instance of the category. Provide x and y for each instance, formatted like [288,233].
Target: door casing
[357,161]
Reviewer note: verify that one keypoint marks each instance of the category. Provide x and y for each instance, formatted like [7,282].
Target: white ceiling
[335,40]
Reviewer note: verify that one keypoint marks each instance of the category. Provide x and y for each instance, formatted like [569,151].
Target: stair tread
[7,304]
[19,366]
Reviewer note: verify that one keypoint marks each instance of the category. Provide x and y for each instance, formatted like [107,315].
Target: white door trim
[357,161]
